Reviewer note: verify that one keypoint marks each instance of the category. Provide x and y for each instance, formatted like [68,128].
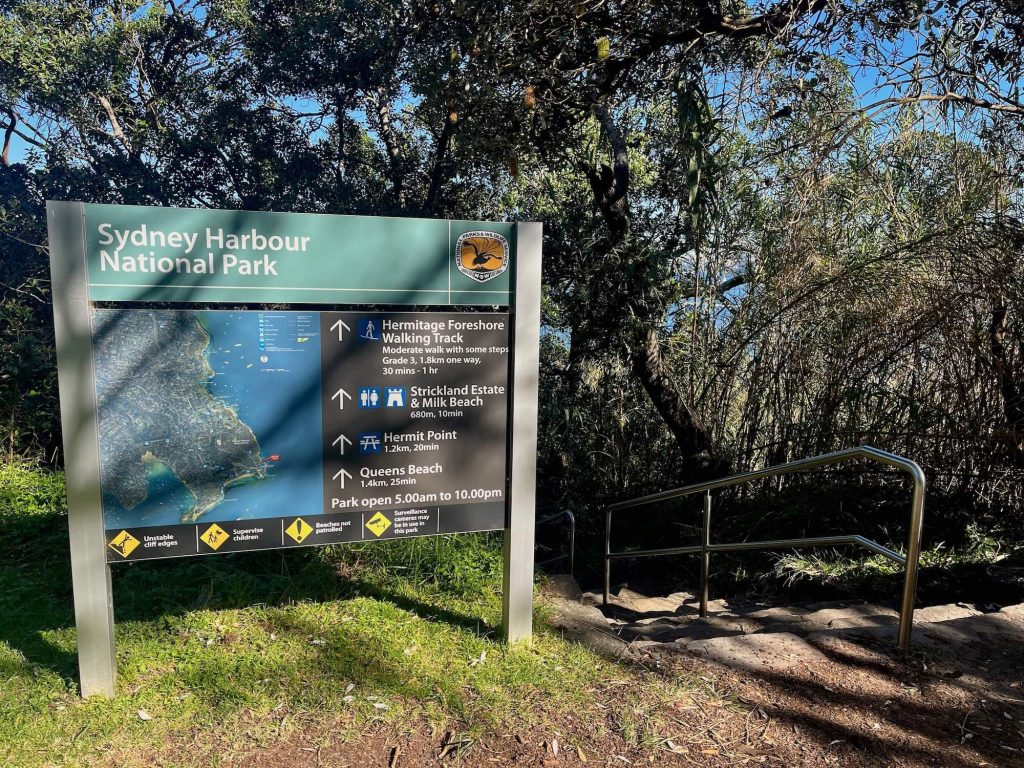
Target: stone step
[634,615]
[684,630]
[750,635]
[769,639]
[758,637]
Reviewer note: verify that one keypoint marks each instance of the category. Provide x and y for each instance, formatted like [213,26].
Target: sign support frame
[91,573]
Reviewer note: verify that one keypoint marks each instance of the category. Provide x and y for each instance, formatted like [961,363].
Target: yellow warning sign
[124,543]
[299,530]
[378,524]
[214,536]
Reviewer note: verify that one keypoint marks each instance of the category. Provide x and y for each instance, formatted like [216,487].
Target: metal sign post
[517,604]
[176,419]
[90,574]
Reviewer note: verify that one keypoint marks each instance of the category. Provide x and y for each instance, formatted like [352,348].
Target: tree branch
[115,124]
[5,153]
[443,142]
[610,185]
[1009,387]
[957,98]
[773,23]
[381,109]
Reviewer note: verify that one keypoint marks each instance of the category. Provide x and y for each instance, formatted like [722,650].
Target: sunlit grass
[832,567]
[232,650]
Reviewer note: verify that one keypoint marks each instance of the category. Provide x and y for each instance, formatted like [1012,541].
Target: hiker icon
[369,329]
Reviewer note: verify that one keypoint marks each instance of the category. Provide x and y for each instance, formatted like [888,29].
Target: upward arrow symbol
[343,440]
[340,396]
[343,475]
[340,326]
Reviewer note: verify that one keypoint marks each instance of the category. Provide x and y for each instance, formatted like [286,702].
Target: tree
[756,214]
[553,69]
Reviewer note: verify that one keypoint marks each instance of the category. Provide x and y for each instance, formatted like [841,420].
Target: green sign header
[190,255]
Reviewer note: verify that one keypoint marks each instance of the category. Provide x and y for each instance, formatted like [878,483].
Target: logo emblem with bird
[481,255]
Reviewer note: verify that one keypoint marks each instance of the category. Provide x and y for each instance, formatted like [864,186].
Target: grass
[841,567]
[234,650]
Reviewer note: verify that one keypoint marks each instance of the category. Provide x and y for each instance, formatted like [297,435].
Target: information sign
[235,381]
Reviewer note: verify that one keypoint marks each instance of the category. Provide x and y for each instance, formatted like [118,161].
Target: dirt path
[824,679]
[812,685]
[710,731]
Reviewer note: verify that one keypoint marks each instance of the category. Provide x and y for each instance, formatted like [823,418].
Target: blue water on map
[167,501]
[280,401]
[267,368]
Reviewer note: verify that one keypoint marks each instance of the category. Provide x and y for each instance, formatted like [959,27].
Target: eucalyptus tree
[546,72]
[641,131]
[320,106]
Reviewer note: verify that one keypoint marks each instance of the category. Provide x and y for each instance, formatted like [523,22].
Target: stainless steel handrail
[571,554]
[705,548]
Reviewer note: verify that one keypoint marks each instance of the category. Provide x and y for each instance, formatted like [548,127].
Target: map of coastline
[156,411]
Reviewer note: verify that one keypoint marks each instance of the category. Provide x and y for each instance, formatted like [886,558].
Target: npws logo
[481,255]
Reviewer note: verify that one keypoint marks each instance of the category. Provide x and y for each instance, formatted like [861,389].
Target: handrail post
[913,558]
[572,542]
[705,555]
[607,554]
[571,554]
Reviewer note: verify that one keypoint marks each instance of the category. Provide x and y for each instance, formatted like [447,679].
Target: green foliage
[27,378]
[28,397]
[28,493]
[818,265]
[837,567]
[698,132]
[456,565]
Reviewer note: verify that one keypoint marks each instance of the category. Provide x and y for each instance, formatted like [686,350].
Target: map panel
[205,417]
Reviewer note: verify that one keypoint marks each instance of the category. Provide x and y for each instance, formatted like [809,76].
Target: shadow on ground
[827,676]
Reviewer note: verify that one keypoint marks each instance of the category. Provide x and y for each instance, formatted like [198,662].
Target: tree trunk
[691,435]
[610,186]
[1011,389]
